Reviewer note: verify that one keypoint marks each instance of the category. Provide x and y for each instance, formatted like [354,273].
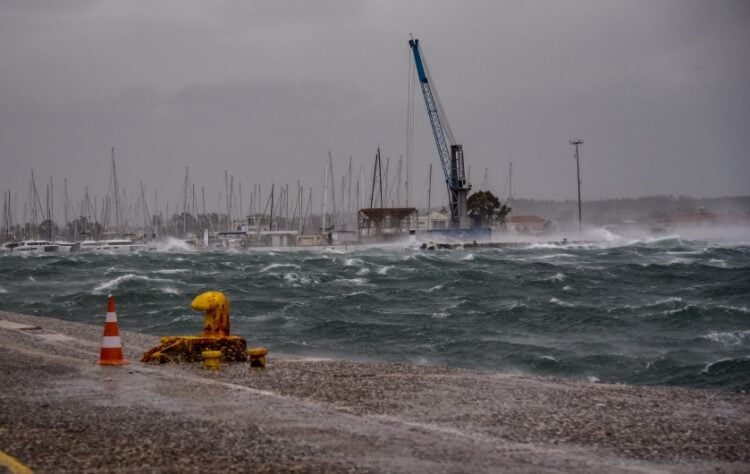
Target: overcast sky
[658,90]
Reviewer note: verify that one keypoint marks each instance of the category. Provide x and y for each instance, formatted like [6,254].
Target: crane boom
[450,153]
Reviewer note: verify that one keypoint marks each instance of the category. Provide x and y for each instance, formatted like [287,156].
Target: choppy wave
[668,310]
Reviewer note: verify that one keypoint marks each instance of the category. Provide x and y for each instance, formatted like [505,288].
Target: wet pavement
[61,412]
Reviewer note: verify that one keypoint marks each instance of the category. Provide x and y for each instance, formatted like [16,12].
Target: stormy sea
[667,309]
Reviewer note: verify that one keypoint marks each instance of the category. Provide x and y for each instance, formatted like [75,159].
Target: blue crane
[451,154]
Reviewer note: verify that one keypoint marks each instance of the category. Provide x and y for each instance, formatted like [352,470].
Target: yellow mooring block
[211,360]
[257,356]
[215,336]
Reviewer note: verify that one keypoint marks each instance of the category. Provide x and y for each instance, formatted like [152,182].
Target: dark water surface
[652,311]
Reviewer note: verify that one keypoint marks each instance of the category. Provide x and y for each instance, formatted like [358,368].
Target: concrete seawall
[60,412]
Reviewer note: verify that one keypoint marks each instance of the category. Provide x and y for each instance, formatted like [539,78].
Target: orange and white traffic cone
[111,353]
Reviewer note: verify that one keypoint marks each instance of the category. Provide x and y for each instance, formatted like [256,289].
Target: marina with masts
[275,216]
[354,207]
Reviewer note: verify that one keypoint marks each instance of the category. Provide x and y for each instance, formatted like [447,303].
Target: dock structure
[385,222]
[61,412]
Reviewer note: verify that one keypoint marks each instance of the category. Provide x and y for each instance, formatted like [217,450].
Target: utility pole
[576,143]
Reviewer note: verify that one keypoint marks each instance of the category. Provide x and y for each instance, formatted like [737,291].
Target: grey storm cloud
[658,91]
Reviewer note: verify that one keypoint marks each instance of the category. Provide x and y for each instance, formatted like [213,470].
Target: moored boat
[110,245]
[34,246]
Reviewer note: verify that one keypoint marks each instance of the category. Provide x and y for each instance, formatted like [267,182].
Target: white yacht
[35,246]
[124,245]
[110,245]
[64,245]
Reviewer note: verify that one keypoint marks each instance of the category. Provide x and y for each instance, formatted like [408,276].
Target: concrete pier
[61,412]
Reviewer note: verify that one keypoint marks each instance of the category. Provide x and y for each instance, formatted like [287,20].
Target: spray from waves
[384,269]
[562,303]
[297,280]
[279,265]
[174,245]
[554,256]
[116,282]
[351,281]
[729,338]
[604,235]
[170,271]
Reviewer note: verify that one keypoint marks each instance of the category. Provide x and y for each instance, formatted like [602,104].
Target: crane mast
[450,153]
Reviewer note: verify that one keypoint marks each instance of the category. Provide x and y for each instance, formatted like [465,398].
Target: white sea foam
[3,290]
[363,271]
[439,315]
[170,290]
[384,270]
[353,262]
[708,366]
[652,304]
[671,299]
[351,281]
[728,338]
[297,280]
[554,255]
[115,282]
[355,293]
[511,305]
[174,245]
[561,302]
[567,288]
[435,288]
[670,312]
[468,257]
[171,271]
[279,265]
[185,317]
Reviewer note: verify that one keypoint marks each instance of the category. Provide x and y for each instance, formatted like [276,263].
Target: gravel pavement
[61,412]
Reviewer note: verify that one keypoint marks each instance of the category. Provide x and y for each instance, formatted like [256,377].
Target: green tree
[485,208]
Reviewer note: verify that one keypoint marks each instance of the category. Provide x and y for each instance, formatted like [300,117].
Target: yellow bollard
[211,360]
[257,356]
[215,335]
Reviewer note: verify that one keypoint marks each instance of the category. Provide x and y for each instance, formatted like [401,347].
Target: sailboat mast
[117,190]
[510,185]
[184,203]
[325,197]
